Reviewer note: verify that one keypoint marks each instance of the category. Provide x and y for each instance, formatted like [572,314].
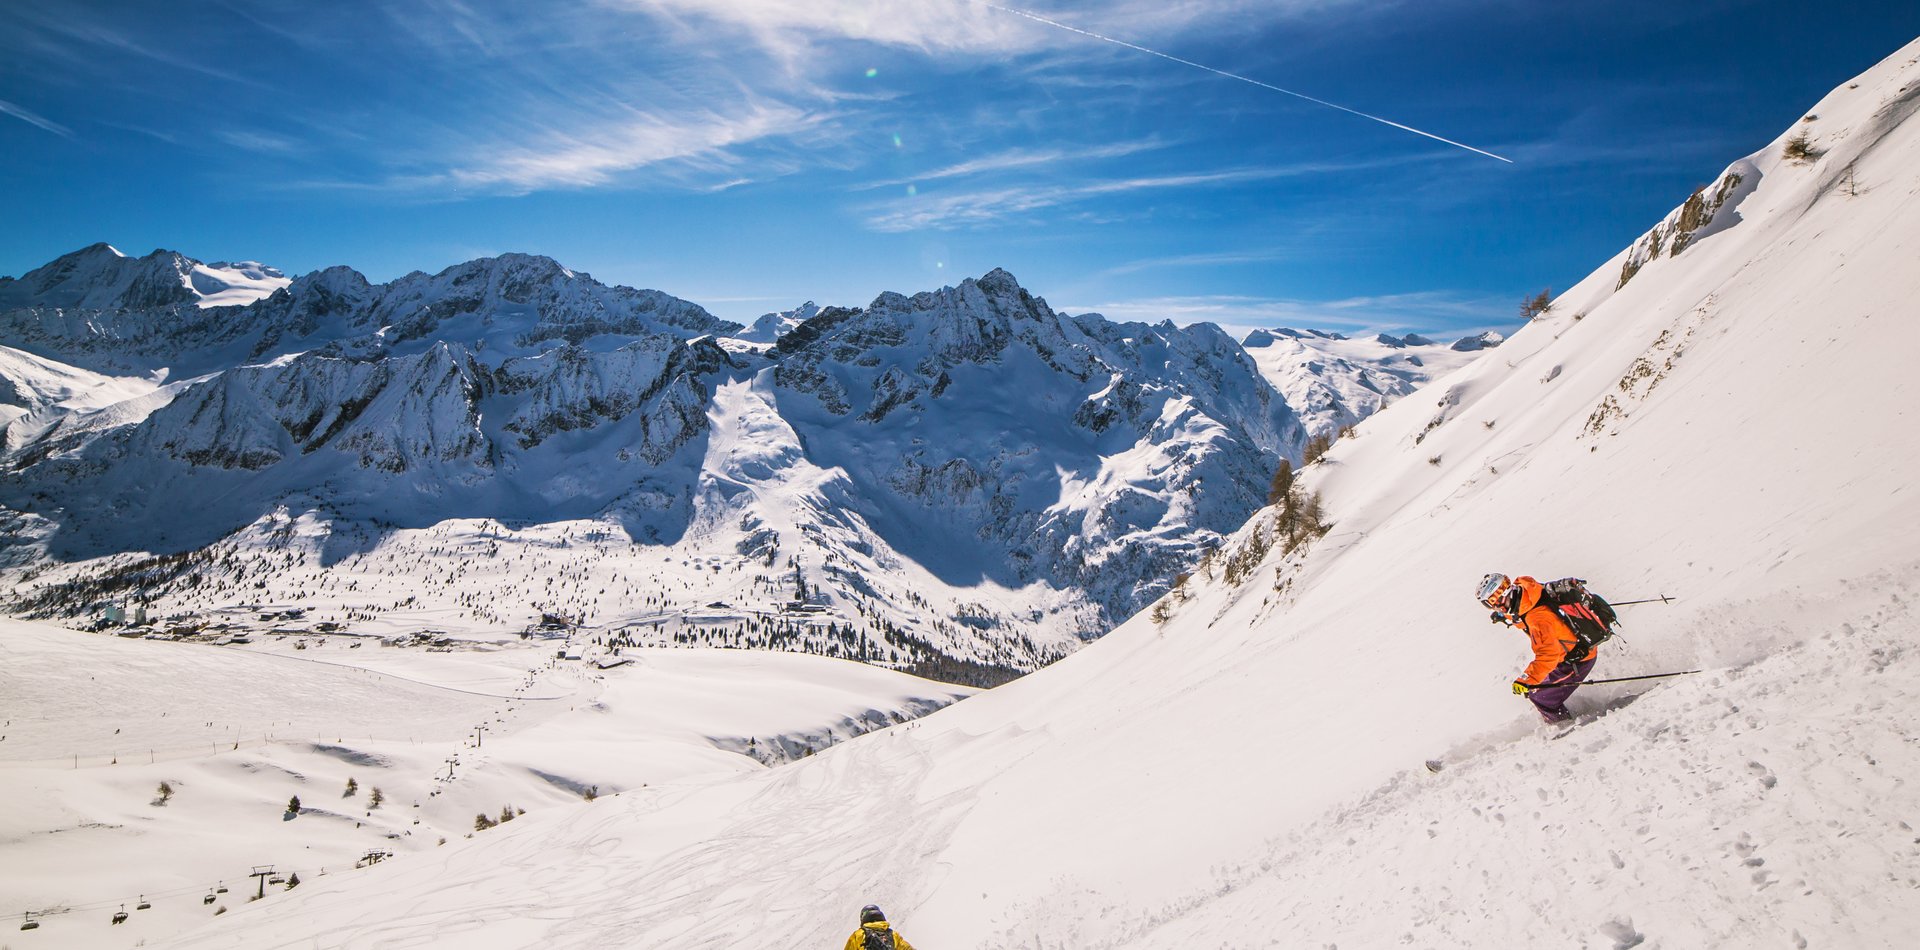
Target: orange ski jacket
[1551,637]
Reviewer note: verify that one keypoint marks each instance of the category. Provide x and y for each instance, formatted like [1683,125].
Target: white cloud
[587,155]
[990,206]
[789,29]
[1437,311]
[258,141]
[77,38]
[31,118]
[1216,259]
[1021,158]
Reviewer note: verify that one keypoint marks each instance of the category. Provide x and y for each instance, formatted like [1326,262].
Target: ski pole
[1662,599]
[1628,679]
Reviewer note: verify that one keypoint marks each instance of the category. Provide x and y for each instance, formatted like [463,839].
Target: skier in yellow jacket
[875,933]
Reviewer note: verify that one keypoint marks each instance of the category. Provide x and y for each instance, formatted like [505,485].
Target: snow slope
[94,724]
[1333,382]
[1731,426]
[36,393]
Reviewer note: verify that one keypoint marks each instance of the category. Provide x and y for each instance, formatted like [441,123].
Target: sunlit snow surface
[94,724]
[1733,427]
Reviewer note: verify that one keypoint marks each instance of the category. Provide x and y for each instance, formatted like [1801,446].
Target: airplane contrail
[1037,18]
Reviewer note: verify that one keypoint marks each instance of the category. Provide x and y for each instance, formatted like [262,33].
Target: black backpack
[1586,613]
[878,938]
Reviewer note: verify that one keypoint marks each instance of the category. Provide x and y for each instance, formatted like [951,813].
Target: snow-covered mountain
[1333,382]
[99,277]
[1731,425]
[961,475]
[36,393]
[515,304]
[1097,455]
[772,326]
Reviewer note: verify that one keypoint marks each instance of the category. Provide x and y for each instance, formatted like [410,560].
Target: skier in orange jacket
[875,933]
[1559,664]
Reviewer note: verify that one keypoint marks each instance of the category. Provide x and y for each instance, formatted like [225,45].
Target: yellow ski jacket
[859,939]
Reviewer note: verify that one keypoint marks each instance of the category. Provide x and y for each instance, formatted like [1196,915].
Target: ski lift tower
[262,871]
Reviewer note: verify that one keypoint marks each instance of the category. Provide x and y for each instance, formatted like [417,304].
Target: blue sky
[753,154]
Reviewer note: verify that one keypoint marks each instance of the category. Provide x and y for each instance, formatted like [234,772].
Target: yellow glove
[1521,689]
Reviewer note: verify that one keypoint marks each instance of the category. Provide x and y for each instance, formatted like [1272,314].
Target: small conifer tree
[1281,484]
[1799,150]
[1538,305]
[293,805]
[1316,447]
[353,788]
[165,792]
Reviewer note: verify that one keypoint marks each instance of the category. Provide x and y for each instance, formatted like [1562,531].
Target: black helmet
[871,914]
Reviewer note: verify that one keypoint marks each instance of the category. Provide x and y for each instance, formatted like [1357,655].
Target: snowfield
[94,724]
[1723,413]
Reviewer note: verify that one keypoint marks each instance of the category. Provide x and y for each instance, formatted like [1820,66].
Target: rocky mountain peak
[1478,342]
[98,277]
[772,326]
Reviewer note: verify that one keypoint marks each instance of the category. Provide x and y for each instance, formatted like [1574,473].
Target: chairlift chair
[28,923]
[207,899]
[144,903]
[220,889]
[120,916]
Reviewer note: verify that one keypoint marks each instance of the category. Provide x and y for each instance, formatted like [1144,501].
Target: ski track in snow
[1510,839]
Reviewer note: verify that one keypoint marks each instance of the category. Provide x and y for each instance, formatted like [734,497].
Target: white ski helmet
[1492,587]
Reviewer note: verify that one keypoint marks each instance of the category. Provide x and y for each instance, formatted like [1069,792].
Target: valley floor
[92,725]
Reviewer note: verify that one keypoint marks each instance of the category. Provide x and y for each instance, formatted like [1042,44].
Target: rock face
[1478,342]
[1710,208]
[97,277]
[906,453]
[1086,453]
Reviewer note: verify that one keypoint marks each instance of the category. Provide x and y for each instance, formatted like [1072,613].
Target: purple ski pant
[1551,697]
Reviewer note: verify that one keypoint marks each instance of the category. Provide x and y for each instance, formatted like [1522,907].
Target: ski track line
[406,679]
[810,835]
